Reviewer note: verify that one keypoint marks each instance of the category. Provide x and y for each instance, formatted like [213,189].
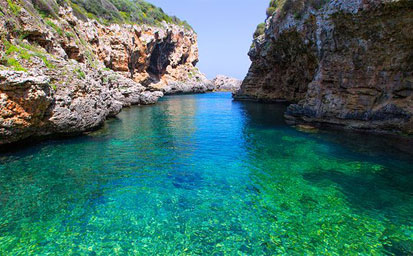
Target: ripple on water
[201,174]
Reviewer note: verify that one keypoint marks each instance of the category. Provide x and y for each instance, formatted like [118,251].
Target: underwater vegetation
[204,175]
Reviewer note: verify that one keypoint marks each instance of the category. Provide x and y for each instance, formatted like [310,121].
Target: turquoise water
[203,175]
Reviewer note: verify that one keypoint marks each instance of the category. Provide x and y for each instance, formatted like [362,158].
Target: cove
[204,175]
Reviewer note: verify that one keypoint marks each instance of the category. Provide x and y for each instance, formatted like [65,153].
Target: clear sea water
[203,175]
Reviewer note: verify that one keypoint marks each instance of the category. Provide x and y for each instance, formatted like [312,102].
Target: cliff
[63,73]
[345,63]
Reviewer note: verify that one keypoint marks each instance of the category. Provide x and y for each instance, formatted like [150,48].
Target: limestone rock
[24,101]
[226,84]
[346,63]
[75,74]
[147,98]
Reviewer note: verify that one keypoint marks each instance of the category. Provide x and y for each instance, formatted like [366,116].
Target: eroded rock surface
[346,63]
[63,75]
[226,84]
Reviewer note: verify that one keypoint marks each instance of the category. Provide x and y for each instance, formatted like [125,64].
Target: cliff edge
[62,71]
[346,63]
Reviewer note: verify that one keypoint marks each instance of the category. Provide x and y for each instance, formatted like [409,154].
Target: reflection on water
[200,174]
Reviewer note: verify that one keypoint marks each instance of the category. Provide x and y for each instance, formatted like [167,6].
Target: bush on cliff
[109,11]
[270,11]
[274,3]
[260,30]
[296,7]
[47,7]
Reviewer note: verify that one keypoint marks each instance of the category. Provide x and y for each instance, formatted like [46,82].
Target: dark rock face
[349,63]
[159,60]
[282,72]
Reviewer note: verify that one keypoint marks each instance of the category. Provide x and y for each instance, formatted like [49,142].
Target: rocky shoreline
[64,75]
[341,63]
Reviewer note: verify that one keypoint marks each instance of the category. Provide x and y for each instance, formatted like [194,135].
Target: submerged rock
[306,128]
[346,63]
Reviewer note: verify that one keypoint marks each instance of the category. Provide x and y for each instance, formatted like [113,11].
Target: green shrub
[12,49]
[295,7]
[13,7]
[260,30]
[270,11]
[56,28]
[79,12]
[69,35]
[123,11]
[274,3]
[47,8]
[26,51]
[13,63]
[91,59]
[47,63]
[80,74]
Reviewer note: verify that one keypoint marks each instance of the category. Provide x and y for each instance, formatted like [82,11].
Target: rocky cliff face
[342,62]
[62,75]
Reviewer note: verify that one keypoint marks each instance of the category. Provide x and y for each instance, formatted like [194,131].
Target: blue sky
[224,28]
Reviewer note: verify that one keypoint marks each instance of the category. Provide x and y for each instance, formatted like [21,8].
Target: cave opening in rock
[159,60]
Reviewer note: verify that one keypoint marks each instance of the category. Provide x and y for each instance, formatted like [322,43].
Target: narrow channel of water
[203,175]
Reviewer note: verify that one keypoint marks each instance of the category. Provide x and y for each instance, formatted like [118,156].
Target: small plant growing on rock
[33,51]
[272,8]
[13,63]
[274,3]
[47,8]
[13,7]
[47,63]
[260,30]
[270,11]
[80,74]
[56,28]
[69,35]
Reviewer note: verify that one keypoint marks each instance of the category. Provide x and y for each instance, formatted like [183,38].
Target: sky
[224,29]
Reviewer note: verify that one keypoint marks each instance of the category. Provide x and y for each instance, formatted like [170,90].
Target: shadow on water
[384,194]
[390,186]
[265,115]
[378,192]
[186,180]
[370,144]
[193,172]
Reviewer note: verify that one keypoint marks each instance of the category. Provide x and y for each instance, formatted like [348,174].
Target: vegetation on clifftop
[46,12]
[260,30]
[296,7]
[109,11]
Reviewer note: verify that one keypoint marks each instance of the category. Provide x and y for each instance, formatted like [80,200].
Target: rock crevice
[63,75]
[345,63]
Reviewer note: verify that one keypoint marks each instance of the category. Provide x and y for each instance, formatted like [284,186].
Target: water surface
[203,175]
